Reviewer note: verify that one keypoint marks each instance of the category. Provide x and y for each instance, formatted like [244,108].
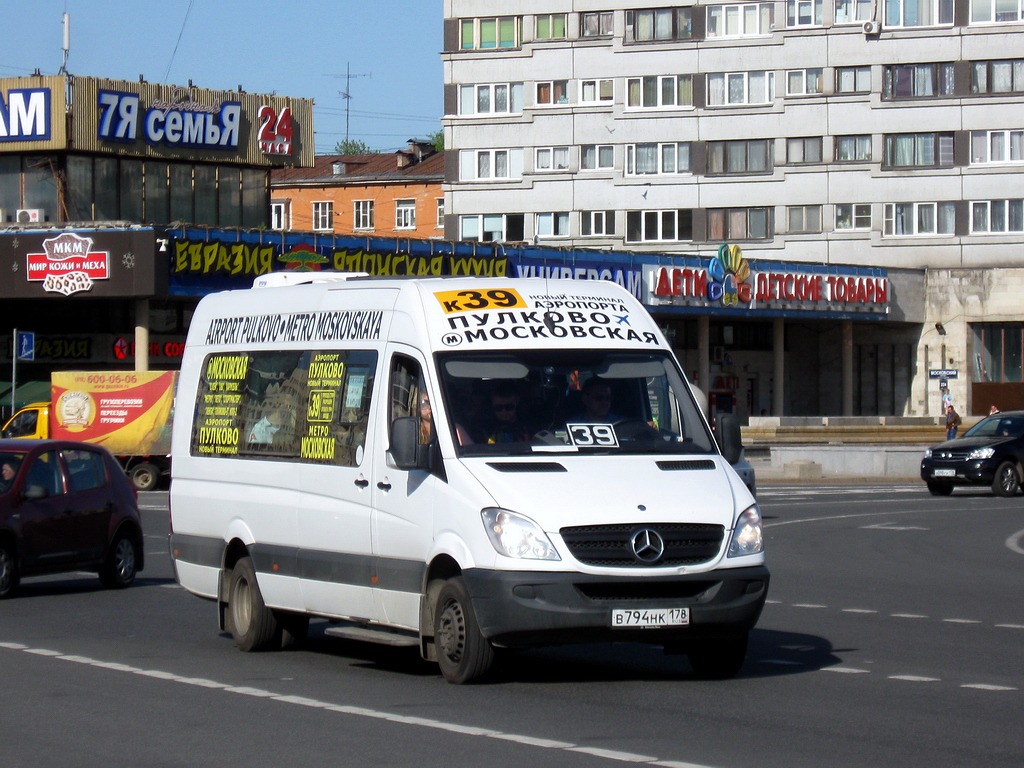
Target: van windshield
[570,401]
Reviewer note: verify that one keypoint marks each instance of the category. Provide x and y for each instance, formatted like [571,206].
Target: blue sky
[289,47]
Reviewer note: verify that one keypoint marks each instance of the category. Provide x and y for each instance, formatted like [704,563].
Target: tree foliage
[353,147]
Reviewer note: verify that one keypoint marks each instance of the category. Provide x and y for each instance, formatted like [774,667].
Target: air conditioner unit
[30,215]
[872,27]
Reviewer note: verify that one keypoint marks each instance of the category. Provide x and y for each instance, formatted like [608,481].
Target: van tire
[463,654]
[252,625]
[718,658]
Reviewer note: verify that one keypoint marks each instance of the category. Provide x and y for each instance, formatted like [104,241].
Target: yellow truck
[127,412]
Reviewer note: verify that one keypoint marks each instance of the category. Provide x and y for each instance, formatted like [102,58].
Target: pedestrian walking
[952,422]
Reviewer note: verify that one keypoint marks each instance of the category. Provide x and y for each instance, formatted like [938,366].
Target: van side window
[296,405]
[409,396]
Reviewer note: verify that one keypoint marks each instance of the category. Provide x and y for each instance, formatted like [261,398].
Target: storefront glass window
[206,194]
[156,192]
[181,193]
[229,197]
[131,190]
[999,349]
[40,173]
[106,189]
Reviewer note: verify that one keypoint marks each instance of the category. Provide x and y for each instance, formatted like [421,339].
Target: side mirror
[729,438]
[34,492]
[405,443]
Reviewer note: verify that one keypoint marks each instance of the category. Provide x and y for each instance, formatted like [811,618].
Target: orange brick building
[385,195]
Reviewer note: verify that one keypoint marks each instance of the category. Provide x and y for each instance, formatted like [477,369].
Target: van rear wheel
[462,652]
[252,625]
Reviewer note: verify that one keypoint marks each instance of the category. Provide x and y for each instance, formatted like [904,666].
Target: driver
[596,396]
[505,425]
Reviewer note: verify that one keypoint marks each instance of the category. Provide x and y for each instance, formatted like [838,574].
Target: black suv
[989,453]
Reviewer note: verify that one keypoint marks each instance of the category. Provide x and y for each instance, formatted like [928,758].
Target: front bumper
[522,608]
[970,472]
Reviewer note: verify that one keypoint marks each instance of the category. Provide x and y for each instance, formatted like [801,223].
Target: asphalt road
[894,635]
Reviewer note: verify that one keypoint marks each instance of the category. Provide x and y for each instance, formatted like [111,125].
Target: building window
[850,149]
[997,216]
[853,216]
[651,25]
[279,215]
[737,157]
[596,24]
[658,159]
[491,33]
[803,150]
[659,226]
[659,91]
[492,227]
[550,26]
[740,20]
[552,159]
[853,79]
[439,221]
[918,13]
[552,224]
[803,82]
[323,216]
[998,349]
[553,92]
[912,219]
[738,224]
[803,13]
[597,157]
[918,81]
[490,164]
[491,99]
[405,214]
[597,223]
[853,11]
[997,147]
[363,214]
[998,11]
[918,150]
[804,218]
[597,91]
[733,88]
[997,76]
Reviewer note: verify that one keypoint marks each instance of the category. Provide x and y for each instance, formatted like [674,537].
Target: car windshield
[997,426]
[554,401]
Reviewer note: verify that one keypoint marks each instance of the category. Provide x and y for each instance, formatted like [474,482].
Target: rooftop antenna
[347,94]
[66,22]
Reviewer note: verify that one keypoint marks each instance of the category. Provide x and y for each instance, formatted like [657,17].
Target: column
[142,335]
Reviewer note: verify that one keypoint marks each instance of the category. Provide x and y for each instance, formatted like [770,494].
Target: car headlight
[515,535]
[747,536]
[982,453]
[927,453]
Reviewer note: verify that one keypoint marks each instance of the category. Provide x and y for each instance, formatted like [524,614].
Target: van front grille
[613,545]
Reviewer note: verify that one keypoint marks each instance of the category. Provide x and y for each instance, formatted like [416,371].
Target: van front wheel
[253,625]
[462,652]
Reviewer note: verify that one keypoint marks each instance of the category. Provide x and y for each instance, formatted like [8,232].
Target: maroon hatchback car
[66,506]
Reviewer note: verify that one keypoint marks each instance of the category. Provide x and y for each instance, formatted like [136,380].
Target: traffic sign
[26,345]
[943,373]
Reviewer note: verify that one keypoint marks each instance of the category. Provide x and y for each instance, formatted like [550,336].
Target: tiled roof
[360,169]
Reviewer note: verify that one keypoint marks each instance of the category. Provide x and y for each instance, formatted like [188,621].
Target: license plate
[944,473]
[623,618]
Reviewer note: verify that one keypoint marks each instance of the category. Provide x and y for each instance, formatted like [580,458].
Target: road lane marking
[847,670]
[987,687]
[915,679]
[391,717]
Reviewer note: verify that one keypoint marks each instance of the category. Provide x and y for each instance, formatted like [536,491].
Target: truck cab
[31,421]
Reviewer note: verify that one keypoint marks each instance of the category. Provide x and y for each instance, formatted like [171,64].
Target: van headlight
[514,535]
[747,536]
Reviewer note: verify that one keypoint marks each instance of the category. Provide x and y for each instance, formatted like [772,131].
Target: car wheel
[462,652]
[1006,481]
[8,569]
[253,625]
[940,489]
[145,476]
[120,567]
[718,658]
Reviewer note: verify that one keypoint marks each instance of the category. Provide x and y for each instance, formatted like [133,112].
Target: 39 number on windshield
[592,435]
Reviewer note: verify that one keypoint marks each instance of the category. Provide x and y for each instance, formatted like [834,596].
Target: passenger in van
[504,424]
[426,419]
[263,431]
[596,396]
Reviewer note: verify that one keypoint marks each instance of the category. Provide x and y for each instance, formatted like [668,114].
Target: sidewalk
[866,463]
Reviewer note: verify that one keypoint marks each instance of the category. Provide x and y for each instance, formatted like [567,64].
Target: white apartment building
[880,140]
